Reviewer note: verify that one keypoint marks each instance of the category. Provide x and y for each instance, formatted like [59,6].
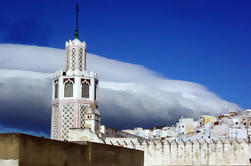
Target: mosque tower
[75,93]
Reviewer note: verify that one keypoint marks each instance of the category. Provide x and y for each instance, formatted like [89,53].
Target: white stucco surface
[199,152]
[9,163]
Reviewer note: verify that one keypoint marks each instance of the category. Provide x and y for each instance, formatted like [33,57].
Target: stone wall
[215,152]
[9,148]
[25,150]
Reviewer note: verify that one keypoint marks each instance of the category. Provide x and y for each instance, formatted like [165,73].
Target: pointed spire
[76,31]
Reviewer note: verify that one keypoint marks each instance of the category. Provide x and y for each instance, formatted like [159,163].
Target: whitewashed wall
[215,152]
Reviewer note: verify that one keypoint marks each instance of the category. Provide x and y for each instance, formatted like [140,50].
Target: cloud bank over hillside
[130,95]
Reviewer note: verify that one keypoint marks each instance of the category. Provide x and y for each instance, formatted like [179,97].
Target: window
[85,90]
[56,90]
[68,89]
[95,89]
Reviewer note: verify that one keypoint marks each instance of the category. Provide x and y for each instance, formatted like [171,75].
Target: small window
[68,89]
[56,90]
[95,91]
[85,90]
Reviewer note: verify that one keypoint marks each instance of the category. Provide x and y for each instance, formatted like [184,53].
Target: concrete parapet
[25,150]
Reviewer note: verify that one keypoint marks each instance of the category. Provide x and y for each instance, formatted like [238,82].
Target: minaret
[75,92]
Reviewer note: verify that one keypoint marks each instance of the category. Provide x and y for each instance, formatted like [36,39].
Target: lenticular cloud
[130,95]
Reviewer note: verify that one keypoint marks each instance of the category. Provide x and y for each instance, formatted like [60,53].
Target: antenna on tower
[76,31]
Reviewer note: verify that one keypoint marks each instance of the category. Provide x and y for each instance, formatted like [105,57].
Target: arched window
[56,90]
[85,90]
[68,89]
[95,89]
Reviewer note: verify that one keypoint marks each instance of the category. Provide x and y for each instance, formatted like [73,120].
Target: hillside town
[231,125]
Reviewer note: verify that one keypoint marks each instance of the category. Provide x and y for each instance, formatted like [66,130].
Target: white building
[185,126]
[154,133]
[238,131]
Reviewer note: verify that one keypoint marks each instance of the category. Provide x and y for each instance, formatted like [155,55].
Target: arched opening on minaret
[68,89]
[85,90]
[56,89]
[95,89]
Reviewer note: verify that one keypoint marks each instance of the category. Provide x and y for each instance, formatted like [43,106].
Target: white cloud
[130,95]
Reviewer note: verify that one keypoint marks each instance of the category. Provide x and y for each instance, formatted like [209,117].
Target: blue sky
[207,42]
[202,41]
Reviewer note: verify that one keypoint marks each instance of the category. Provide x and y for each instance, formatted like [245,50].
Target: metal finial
[76,31]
